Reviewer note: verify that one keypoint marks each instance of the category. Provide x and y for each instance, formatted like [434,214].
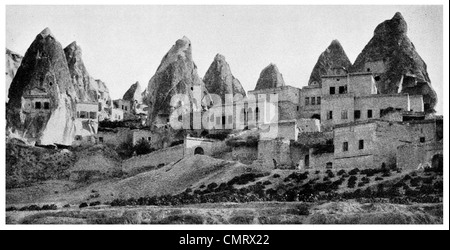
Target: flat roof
[360,123]
[349,74]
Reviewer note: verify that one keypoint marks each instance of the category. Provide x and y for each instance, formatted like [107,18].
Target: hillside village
[346,115]
[357,143]
[68,141]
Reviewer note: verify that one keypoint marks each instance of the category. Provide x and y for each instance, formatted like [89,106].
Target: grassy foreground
[348,212]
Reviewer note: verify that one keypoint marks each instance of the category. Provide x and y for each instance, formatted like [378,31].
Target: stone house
[86,122]
[36,101]
[354,97]
[372,143]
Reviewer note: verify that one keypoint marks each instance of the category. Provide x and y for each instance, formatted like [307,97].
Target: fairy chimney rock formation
[332,58]
[220,81]
[395,63]
[42,97]
[270,77]
[177,74]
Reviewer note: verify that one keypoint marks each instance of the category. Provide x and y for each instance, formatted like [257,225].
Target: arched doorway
[199,151]
[437,162]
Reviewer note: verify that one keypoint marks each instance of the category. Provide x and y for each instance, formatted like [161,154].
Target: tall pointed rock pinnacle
[83,82]
[270,77]
[134,93]
[395,63]
[177,74]
[42,96]
[12,63]
[333,57]
[220,81]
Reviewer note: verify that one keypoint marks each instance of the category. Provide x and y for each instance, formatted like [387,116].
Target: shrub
[95,203]
[301,209]
[365,180]
[354,171]
[82,205]
[361,184]
[352,181]
[341,172]
[10,209]
[49,207]
[244,179]
[31,208]
[175,143]
[386,174]
[241,219]
[426,189]
[297,177]
[439,186]
[415,181]
[428,180]
[182,219]
[378,178]
[143,147]
[276,176]
[266,183]
[212,186]
[337,183]
[66,206]
[330,174]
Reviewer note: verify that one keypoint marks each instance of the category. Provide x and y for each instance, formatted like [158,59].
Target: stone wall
[284,129]
[287,110]
[206,146]
[285,93]
[114,137]
[308,125]
[380,141]
[271,152]
[321,161]
[378,102]
[360,161]
[297,154]
[337,104]
[411,156]
[416,103]
[163,156]
[246,155]
[362,84]
[139,134]
[391,135]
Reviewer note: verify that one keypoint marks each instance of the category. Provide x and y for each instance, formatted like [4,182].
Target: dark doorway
[316,116]
[306,161]
[199,151]
[437,162]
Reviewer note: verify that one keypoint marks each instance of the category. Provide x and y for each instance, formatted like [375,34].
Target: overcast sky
[125,44]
